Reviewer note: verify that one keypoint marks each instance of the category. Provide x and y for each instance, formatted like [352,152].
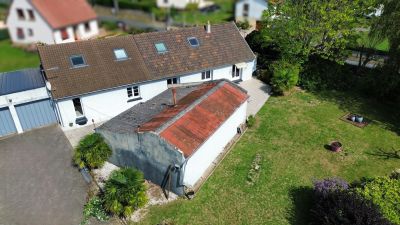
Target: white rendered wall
[256,9]
[42,32]
[198,163]
[58,38]
[179,4]
[92,32]
[102,106]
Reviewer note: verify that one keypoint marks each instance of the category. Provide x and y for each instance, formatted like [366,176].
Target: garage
[36,114]
[7,126]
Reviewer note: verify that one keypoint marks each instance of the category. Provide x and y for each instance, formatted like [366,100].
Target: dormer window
[77,61]
[161,48]
[194,42]
[120,54]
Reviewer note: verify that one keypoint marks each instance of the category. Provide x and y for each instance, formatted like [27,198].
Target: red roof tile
[191,130]
[62,13]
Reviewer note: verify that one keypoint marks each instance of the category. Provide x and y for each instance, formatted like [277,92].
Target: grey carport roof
[21,80]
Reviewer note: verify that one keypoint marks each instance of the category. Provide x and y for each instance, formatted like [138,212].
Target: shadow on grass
[302,200]
[393,154]
[384,114]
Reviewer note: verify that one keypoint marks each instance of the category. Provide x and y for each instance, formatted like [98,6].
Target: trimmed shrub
[285,76]
[251,121]
[326,186]
[91,152]
[125,192]
[385,193]
[244,25]
[94,208]
[345,208]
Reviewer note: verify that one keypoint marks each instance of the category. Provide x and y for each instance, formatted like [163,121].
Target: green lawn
[290,136]
[226,13]
[12,58]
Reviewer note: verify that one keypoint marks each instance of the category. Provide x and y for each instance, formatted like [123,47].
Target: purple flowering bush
[329,185]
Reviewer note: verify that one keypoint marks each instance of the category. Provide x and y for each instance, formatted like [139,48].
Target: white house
[51,22]
[250,10]
[24,102]
[175,137]
[95,80]
[181,4]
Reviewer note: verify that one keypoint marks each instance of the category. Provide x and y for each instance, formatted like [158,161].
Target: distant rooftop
[21,80]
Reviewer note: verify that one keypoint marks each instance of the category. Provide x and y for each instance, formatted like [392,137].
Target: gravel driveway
[38,185]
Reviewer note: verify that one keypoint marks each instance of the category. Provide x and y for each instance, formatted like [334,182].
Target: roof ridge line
[190,107]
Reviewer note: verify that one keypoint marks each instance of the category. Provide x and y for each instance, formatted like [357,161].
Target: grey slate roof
[131,119]
[21,80]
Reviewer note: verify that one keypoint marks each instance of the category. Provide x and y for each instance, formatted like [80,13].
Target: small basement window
[77,61]
[161,48]
[133,92]
[120,54]
[194,42]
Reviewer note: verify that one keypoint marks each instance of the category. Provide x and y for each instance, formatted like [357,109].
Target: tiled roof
[62,13]
[191,130]
[199,112]
[21,80]
[223,46]
[102,71]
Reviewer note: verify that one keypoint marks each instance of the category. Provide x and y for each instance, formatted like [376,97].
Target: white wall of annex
[198,163]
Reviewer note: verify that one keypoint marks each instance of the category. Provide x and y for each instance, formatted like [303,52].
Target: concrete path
[75,135]
[259,93]
[39,185]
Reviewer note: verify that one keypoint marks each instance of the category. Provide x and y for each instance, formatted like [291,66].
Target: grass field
[226,13]
[12,58]
[290,135]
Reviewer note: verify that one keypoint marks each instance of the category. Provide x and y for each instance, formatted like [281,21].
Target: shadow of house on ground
[384,114]
[302,199]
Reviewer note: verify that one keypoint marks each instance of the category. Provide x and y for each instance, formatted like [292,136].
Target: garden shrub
[143,5]
[124,192]
[385,193]
[285,76]
[91,152]
[251,121]
[244,25]
[94,208]
[328,185]
[345,208]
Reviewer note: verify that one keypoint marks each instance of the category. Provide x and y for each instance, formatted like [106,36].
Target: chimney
[174,96]
[208,27]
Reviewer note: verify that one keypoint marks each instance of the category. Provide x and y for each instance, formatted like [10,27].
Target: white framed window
[236,72]
[206,75]
[133,92]
[77,61]
[171,81]
[120,54]
[78,107]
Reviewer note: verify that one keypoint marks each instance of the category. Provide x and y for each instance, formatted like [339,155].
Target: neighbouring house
[251,11]
[181,4]
[51,21]
[93,81]
[24,102]
[179,135]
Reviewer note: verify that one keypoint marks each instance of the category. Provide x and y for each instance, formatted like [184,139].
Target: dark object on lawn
[336,146]
[210,9]
[356,120]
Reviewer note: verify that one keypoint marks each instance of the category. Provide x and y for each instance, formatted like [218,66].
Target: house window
[172,81]
[30,32]
[236,72]
[120,54]
[31,14]
[78,107]
[20,33]
[245,10]
[87,27]
[194,42]
[77,61]
[133,92]
[20,14]
[206,75]
[161,48]
[64,34]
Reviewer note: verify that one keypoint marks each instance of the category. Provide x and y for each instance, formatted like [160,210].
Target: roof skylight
[194,42]
[161,48]
[120,54]
[77,61]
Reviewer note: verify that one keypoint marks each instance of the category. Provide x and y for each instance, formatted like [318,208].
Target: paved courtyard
[259,93]
[38,185]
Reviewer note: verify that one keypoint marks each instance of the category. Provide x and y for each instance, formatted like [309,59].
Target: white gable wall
[102,106]
[42,32]
[202,159]
[256,9]
[79,33]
